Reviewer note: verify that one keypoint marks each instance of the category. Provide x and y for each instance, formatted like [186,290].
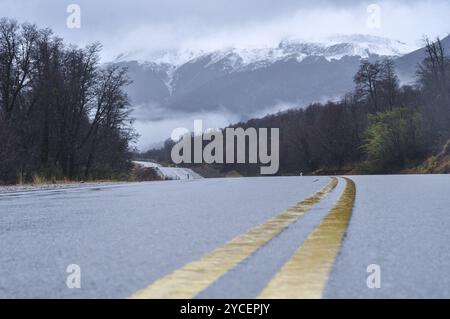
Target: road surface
[234,238]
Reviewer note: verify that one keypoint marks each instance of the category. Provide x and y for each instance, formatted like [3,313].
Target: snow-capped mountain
[337,47]
[332,47]
[245,81]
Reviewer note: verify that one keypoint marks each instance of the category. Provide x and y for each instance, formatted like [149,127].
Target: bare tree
[367,81]
[61,113]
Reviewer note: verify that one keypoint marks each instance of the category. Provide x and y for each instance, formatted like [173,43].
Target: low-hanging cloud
[156,124]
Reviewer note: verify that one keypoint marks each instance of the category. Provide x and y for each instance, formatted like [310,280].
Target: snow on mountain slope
[239,59]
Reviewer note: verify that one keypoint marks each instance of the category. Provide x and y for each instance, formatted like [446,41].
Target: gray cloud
[173,24]
[147,27]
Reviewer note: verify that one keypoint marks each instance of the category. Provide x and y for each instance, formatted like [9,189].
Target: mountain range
[249,82]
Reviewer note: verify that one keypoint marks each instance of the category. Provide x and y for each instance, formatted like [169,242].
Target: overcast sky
[153,26]
[147,28]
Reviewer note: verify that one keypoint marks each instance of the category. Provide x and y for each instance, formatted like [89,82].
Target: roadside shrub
[393,138]
[144,174]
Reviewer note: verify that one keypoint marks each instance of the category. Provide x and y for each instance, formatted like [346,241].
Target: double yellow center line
[188,281]
[304,276]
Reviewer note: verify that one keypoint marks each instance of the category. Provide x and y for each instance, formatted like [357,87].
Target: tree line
[380,127]
[62,114]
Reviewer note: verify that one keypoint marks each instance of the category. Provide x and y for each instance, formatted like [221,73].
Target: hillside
[251,82]
[407,64]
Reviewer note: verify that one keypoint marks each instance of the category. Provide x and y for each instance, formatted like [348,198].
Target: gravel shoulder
[44,187]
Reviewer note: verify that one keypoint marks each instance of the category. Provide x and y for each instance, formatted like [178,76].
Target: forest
[63,115]
[380,127]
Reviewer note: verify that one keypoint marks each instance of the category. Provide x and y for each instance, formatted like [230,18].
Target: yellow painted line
[190,280]
[304,276]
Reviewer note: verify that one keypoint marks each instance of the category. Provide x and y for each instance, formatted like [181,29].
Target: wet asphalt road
[126,236]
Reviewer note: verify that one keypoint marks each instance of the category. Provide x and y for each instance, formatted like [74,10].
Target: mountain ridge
[246,81]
